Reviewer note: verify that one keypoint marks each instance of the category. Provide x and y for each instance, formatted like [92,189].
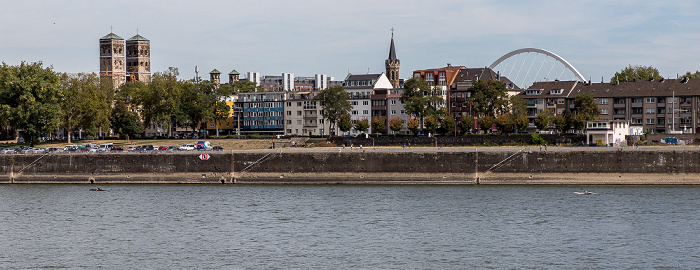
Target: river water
[348,227]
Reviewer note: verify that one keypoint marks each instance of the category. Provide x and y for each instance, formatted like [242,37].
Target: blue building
[263,112]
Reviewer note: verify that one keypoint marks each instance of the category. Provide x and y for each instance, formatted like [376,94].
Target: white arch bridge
[529,65]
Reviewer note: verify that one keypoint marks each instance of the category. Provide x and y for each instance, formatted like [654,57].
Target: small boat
[585,193]
[97,189]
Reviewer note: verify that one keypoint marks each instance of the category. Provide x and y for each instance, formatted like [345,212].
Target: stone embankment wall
[361,167]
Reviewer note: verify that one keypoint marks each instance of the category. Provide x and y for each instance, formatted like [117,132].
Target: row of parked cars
[111,148]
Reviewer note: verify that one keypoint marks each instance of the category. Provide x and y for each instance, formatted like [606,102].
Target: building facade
[360,89]
[112,67]
[302,115]
[263,112]
[138,59]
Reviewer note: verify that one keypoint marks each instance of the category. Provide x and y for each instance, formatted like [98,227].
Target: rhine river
[348,227]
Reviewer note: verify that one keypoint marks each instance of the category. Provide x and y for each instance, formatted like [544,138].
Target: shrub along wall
[552,139]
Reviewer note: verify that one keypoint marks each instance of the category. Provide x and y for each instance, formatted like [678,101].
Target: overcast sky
[333,37]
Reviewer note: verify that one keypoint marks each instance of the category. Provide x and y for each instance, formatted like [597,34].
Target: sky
[599,38]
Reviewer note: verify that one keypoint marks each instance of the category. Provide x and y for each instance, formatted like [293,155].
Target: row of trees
[37,100]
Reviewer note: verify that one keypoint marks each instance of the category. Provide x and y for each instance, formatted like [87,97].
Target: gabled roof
[362,77]
[467,76]
[567,88]
[138,38]
[112,36]
[215,71]
[234,72]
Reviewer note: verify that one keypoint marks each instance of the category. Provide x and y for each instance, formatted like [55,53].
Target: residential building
[555,96]
[262,112]
[302,115]
[607,132]
[360,88]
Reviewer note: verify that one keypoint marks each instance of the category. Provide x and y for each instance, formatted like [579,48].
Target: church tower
[392,64]
[112,60]
[138,59]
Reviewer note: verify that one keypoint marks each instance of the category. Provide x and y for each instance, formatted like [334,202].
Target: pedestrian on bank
[545,147]
[540,148]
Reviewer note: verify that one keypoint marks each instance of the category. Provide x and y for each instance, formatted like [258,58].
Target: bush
[537,140]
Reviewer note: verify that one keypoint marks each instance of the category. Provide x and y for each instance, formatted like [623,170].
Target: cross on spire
[392,32]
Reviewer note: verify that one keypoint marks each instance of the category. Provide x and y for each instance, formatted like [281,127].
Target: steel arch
[542,51]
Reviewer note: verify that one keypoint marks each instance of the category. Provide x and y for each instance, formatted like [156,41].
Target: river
[348,227]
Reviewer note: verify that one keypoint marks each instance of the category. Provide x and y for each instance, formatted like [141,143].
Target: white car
[187,147]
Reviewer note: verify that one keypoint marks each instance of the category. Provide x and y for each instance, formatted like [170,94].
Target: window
[354,112]
[354,103]
[454,104]
[671,120]
[619,111]
[365,102]
[560,101]
[636,110]
[603,101]
[365,112]
[650,110]
[651,100]
[289,104]
[393,112]
[298,122]
[289,122]
[662,111]
[672,100]
[393,102]
[289,130]
[289,112]
[660,120]
[636,100]
[636,120]
[298,112]
[299,104]
[650,120]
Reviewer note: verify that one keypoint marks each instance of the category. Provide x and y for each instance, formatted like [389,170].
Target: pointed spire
[392,50]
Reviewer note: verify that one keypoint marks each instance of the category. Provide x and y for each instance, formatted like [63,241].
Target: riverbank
[380,166]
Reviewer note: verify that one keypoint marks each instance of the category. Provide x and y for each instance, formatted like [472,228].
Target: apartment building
[302,115]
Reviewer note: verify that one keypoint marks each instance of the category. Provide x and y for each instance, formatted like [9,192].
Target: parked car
[132,148]
[171,149]
[115,148]
[217,148]
[146,147]
[70,147]
[203,145]
[187,147]
[9,151]
[163,148]
[54,150]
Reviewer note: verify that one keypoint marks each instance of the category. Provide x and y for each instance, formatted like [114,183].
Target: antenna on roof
[111,29]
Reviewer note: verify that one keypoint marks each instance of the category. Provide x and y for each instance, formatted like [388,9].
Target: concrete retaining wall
[370,167]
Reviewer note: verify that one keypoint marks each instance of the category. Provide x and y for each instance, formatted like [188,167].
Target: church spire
[392,64]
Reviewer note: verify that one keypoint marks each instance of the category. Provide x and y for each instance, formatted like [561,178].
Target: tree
[465,124]
[420,99]
[30,96]
[504,122]
[689,75]
[395,124]
[246,86]
[345,123]
[586,106]
[447,123]
[486,122]
[84,104]
[489,98]
[431,124]
[334,101]
[560,123]
[544,119]
[632,73]
[413,125]
[125,122]
[362,125]
[378,123]
[520,122]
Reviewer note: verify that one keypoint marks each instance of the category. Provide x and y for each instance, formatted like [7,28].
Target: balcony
[661,104]
[637,105]
[619,105]
[310,125]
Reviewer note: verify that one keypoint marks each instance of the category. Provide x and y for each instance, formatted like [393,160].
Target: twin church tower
[118,69]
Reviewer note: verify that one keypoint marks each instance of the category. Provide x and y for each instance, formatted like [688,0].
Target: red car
[163,148]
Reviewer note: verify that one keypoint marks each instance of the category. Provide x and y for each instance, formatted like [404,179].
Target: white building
[302,115]
[360,89]
[607,132]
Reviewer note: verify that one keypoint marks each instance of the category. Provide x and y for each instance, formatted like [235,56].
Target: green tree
[560,123]
[544,119]
[84,103]
[586,106]
[345,122]
[431,124]
[395,124]
[124,122]
[30,96]
[520,122]
[632,73]
[362,125]
[689,75]
[378,123]
[246,87]
[334,101]
[420,99]
[486,122]
[448,123]
[489,98]
[412,125]
[578,121]
[466,124]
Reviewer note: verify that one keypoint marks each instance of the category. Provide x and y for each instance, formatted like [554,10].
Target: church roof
[234,72]
[138,37]
[112,36]
[392,50]
[215,71]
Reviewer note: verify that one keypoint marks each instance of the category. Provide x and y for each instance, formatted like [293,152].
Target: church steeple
[392,64]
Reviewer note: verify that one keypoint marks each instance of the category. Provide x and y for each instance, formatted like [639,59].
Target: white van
[187,147]
[105,147]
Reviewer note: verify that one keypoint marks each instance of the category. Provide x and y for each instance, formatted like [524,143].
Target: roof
[112,36]
[641,88]
[467,76]
[567,88]
[234,72]
[214,72]
[363,77]
[392,50]
[138,38]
